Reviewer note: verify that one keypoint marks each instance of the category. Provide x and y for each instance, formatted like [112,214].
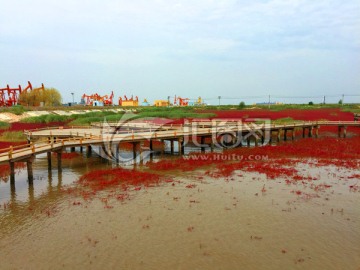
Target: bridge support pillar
[180,146]
[293,134]
[49,160]
[279,135]
[151,145]
[262,138]
[162,147]
[141,157]
[256,139]
[72,149]
[344,132]
[310,131]
[212,144]
[134,150]
[317,131]
[172,146]
[202,142]
[59,154]
[12,171]
[343,129]
[285,133]
[88,150]
[81,149]
[271,136]
[30,172]
[12,189]
[303,132]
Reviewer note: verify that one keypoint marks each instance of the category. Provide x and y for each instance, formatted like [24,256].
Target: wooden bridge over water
[56,140]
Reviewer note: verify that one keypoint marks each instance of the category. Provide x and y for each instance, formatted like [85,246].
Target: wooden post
[59,160]
[12,189]
[134,150]
[317,131]
[72,149]
[162,147]
[248,141]
[293,134]
[117,152]
[81,149]
[278,135]
[303,132]
[151,145]
[31,192]
[172,146]
[256,141]
[141,154]
[212,143]
[49,160]
[179,146]
[344,132]
[182,144]
[88,150]
[12,171]
[285,131]
[30,170]
[202,141]
[310,131]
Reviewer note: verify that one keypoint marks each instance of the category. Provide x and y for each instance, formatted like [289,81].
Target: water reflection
[69,170]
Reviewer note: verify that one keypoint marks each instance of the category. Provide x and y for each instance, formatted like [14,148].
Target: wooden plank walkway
[57,139]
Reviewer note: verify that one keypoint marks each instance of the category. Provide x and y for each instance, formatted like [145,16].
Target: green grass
[12,136]
[46,119]
[91,117]
[4,125]
[75,119]
[173,112]
[286,120]
[17,109]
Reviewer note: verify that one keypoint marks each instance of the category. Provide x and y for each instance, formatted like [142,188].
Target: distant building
[145,103]
[130,103]
[98,103]
[161,103]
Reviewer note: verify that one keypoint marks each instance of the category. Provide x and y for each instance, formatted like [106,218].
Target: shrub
[242,105]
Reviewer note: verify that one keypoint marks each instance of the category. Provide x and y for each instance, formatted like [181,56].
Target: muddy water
[226,223]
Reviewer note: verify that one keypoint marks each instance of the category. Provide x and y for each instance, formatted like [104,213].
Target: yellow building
[161,103]
[130,103]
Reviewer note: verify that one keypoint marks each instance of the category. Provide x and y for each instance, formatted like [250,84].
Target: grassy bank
[12,136]
[4,125]
[99,116]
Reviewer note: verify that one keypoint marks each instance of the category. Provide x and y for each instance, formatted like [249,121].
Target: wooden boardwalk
[57,139]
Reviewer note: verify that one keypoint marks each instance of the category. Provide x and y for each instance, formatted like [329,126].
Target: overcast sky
[160,48]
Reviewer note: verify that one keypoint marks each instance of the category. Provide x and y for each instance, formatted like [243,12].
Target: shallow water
[225,223]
